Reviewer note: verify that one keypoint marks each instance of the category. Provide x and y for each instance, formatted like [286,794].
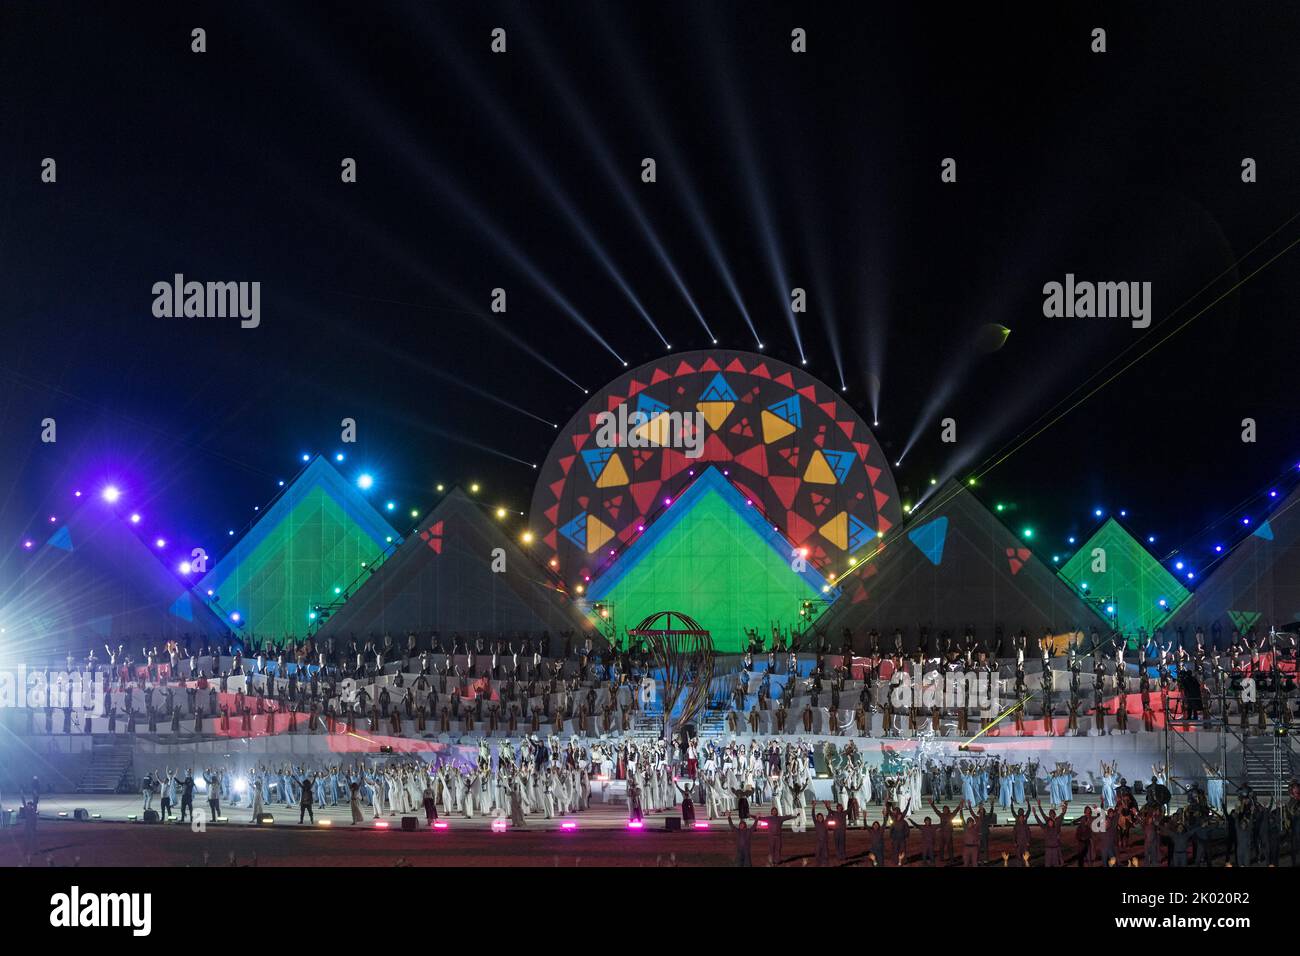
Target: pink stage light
[381,824]
[498,826]
[440,824]
[568,825]
[636,824]
[762,824]
[701,824]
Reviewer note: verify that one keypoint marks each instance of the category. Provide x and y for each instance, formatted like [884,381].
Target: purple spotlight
[160,543]
[76,494]
[29,544]
[1245,521]
[52,519]
[111,493]
[235,616]
[185,567]
[135,519]
[667,502]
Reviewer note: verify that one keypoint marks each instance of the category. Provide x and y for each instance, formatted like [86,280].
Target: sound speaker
[81,814]
[673,824]
[151,816]
[410,824]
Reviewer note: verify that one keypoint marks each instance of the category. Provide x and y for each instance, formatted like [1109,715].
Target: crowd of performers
[1254,680]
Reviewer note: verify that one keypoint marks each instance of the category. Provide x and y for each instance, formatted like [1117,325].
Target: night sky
[522,171]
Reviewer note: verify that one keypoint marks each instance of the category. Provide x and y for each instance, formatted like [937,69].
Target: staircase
[110,763]
[1268,764]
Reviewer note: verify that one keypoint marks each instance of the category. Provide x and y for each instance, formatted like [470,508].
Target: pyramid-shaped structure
[953,565]
[315,536]
[1257,585]
[713,556]
[94,582]
[1120,573]
[442,579]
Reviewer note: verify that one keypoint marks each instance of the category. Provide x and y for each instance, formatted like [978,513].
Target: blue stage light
[1178,566]
[365,481]
[391,506]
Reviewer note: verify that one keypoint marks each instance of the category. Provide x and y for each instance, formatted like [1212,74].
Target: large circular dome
[785,440]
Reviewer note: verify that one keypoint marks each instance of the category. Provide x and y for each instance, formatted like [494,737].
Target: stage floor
[601,838]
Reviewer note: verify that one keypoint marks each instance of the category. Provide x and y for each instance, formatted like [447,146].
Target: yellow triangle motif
[819,470]
[657,431]
[775,427]
[836,531]
[715,413]
[613,474]
[598,533]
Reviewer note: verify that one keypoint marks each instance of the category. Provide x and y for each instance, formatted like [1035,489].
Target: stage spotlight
[761,347]
[76,494]
[110,494]
[1218,548]
[1245,521]
[440,488]
[715,341]
[1178,565]
[235,616]
[231,533]
[875,423]
[498,826]
[365,481]
[579,589]
[160,543]
[135,519]
[640,824]
[1056,558]
[528,537]
[29,544]
[311,615]
[185,567]
[1163,603]
[1070,540]
[501,512]
[1123,513]
[1097,512]
[306,457]
[1190,575]
[440,824]
[473,488]
[1000,507]
[391,505]
[1151,539]
[338,590]
[1110,609]
[1027,533]
[339,456]
[1272,494]
[554,563]
[281,483]
[381,824]
[415,513]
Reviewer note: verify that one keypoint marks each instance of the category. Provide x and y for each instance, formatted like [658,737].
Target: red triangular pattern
[787,380]
[684,369]
[549,540]
[760,371]
[552,513]
[797,527]
[810,392]
[613,401]
[735,366]
[709,365]
[583,501]
[557,488]
[715,450]
[755,459]
[566,463]
[674,463]
[659,376]
[847,428]
[862,448]
[881,498]
[633,387]
[579,440]
[785,488]
[644,494]
[872,474]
